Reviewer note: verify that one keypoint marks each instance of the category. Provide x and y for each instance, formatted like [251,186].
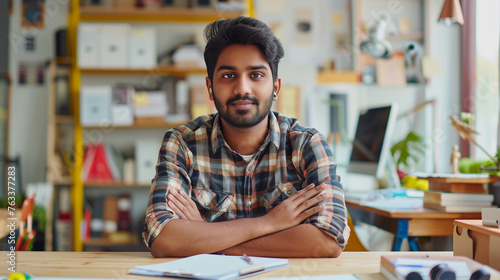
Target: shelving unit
[79,14]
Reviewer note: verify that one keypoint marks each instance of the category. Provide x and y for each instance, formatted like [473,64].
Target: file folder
[209,267]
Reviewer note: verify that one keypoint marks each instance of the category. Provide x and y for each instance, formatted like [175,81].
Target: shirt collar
[217,138]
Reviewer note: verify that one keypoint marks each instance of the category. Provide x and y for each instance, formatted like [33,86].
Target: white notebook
[206,266]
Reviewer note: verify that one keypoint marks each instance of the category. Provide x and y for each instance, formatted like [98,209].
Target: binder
[206,266]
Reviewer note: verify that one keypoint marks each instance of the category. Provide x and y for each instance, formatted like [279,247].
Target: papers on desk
[395,203]
[390,199]
[209,267]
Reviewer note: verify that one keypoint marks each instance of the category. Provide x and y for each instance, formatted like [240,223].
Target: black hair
[243,31]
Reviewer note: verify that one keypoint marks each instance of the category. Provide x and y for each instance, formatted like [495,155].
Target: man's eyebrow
[227,67]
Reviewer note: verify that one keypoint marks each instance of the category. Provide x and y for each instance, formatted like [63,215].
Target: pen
[247,259]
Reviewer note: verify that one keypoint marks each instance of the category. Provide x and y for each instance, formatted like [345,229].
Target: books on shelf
[150,103]
[122,109]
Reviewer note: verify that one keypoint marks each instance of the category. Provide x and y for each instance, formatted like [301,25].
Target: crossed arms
[276,234]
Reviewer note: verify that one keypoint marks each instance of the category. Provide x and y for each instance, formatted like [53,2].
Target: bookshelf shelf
[158,71]
[115,184]
[106,242]
[124,14]
[407,36]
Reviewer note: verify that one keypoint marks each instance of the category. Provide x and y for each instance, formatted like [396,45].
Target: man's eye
[227,76]
[257,75]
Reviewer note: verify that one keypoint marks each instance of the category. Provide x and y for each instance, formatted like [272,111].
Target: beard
[244,118]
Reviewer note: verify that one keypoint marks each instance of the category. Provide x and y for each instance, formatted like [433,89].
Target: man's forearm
[181,238]
[301,241]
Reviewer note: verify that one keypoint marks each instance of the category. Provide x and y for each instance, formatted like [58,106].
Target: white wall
[28,128]
[29,103]
[445,44]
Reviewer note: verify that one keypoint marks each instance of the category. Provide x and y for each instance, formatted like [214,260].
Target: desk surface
[408,223]
[116,264]
[419,213]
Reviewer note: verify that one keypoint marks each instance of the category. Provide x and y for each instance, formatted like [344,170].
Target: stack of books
[457,202]
[461,195]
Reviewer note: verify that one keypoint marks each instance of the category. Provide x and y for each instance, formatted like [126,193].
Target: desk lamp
[465,131]
[376,45]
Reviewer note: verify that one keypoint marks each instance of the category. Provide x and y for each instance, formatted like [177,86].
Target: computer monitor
[371,153]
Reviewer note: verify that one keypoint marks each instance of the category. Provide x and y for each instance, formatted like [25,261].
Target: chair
[26,235]
[354,244]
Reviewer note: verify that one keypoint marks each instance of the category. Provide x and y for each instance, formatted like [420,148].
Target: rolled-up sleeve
[170,174]
[319,167]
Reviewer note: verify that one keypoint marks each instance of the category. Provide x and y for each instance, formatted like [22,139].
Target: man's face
[242,86]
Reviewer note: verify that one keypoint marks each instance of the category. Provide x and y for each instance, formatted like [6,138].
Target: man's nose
[242,86]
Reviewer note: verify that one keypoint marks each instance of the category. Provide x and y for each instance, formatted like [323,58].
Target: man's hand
[183,206]
[297,208]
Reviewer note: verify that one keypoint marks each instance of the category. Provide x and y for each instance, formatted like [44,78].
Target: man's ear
[277,88]
[209,88]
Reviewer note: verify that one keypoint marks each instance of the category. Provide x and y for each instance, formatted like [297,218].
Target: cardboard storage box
[480,243]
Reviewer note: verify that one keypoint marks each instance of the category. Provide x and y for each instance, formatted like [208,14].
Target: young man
[245,180]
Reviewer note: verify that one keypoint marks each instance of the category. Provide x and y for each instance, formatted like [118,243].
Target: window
[487,76]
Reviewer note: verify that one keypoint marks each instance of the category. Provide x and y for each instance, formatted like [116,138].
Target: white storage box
[95,105]
[142,51]
[88,45]
[114,45]
[146,156]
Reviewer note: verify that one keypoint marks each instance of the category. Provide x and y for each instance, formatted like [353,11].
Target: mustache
[245,97]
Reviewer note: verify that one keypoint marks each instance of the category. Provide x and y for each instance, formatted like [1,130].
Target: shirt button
[249,203]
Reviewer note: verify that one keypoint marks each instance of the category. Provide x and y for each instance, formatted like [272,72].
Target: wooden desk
[408,224]
[116,265]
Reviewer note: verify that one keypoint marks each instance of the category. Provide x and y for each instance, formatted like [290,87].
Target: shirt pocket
[212,204]
[281,192]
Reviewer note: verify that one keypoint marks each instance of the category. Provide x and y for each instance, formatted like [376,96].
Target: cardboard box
[480,243]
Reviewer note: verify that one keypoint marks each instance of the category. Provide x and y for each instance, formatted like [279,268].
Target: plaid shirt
[195,158]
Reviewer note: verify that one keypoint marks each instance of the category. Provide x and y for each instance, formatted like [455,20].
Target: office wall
[28,129]
[29,115]
[445,88]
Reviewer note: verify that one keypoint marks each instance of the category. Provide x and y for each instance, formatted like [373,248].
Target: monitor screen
[372,140]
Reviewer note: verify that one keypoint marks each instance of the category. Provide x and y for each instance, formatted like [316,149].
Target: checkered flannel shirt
[195,158]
